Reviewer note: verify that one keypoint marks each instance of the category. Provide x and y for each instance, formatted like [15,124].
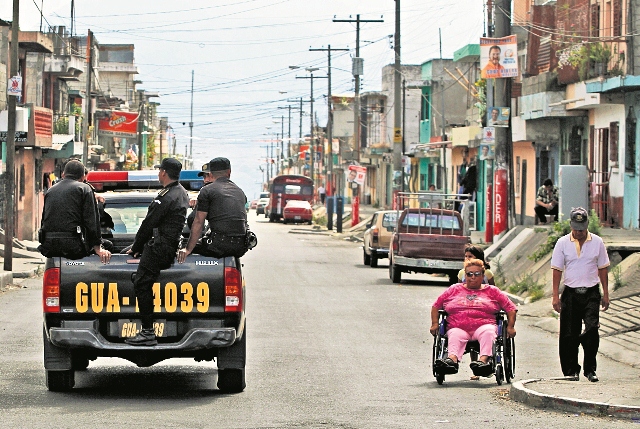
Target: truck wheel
[231,380]
[366,259]
[374,260]
[60,381]
[394,273]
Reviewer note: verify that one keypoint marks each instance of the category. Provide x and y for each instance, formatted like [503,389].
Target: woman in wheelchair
[471,308]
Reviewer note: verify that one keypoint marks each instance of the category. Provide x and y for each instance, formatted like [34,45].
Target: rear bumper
[428,264]
[195,339]
[381,252]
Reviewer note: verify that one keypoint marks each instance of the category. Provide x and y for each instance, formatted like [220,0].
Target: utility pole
[87,99]
[504,145]
[191,125]
[443,136]
[288,107]
[11,144]
[312,141]
[328,185]
[398,133]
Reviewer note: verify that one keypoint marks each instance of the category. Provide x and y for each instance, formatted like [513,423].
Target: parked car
[297,211]
[262,204]
[377,236]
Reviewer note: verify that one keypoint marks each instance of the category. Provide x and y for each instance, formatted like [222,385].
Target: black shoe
[446,366]
[481,369]
[146,337]
[592,377]
[573,377]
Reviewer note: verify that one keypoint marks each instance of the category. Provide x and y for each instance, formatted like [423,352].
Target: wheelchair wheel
[499,374]
[509,359]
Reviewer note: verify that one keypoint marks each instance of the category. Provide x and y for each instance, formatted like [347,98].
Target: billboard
[499,57]
[119,124]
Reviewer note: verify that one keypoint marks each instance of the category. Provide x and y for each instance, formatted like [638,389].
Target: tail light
[51,291]
[232,290]
[395,243]
[374,235]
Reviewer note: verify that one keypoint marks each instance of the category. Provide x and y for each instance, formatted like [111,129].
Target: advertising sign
[499,57]
[14,86]
[20,136]
[498,116]
[119,124]
[487,151]
[489,135]
[357,174]
[500,203]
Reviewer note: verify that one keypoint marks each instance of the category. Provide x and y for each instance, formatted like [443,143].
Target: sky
[240,51]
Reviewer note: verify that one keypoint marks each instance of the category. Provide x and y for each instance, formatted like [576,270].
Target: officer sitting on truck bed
[157,240]
[70,225]
[222,203]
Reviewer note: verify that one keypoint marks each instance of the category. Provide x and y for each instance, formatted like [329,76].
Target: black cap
[579,219]
[216,164]
[170,165]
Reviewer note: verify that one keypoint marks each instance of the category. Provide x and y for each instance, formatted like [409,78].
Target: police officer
[222,204]
[70,225]
[583,258]
[157,240]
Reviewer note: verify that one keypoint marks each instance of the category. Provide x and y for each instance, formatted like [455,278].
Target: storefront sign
[119,124]
[21,136]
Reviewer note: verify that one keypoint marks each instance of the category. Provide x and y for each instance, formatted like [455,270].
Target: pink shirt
[469,309]
[580,265]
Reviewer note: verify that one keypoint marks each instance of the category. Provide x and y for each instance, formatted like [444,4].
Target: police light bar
[140,179]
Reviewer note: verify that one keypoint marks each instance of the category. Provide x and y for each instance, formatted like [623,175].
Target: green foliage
[617,277]
[499,277]
[320,220]
[529,284]
[561,229]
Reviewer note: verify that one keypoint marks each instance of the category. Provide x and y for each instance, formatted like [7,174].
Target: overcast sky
[241,50]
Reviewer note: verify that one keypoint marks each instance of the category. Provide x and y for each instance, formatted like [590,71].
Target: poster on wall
[119,124]
[487,151]
[499,57]
[357,174]
[498,116]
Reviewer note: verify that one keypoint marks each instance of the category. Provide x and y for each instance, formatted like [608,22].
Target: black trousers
[143,282]
[542,211]
[576,309]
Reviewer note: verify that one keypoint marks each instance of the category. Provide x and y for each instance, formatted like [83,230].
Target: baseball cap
[216,164]
[170,165]
[579,219]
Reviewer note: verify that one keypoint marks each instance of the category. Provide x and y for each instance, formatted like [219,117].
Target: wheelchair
[503,361]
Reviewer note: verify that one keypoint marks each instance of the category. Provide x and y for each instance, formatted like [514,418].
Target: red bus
[284,188]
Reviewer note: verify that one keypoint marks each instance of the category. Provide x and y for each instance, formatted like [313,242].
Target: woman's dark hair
[478,253]
[547,182]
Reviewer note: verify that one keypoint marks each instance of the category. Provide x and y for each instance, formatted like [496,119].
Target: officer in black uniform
[222,204]
[70,225]
[157,240]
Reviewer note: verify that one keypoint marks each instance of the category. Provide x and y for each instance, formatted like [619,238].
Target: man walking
[70,226]
[584,260]
[221,203]
[156,243]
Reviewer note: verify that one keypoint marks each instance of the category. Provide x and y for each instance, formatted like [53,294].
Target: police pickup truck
[90,308]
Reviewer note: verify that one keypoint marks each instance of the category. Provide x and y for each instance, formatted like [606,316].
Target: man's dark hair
[547,182]
[73,170]
[495,47]
[173,175]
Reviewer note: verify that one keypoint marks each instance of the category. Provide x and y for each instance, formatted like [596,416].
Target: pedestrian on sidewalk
[583,258]
[322,193]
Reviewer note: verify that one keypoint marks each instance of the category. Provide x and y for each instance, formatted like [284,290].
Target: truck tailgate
[190,289]
[432,246]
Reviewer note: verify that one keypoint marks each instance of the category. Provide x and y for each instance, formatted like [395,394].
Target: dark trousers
[143,282]
[542,211]
[577,308]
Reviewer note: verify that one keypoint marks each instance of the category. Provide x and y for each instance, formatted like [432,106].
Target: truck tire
[394,273]
[231,366]
[366,259]
[374,260]
[60,381]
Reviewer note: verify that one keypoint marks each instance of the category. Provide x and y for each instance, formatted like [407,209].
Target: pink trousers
[485,335]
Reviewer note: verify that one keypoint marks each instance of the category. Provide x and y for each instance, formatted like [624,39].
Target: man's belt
[580,290]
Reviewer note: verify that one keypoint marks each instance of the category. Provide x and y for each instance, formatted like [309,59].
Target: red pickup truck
[428,240]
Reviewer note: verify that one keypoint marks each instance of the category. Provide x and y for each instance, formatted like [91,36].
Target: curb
[521,393]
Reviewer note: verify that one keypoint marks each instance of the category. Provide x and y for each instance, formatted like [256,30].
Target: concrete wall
[411,74]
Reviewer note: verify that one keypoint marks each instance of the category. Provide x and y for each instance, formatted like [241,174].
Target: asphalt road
[331,344]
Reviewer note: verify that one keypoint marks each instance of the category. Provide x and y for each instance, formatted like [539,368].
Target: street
[331,343]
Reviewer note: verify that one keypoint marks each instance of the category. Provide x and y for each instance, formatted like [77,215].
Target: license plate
[128,328]
[298,217]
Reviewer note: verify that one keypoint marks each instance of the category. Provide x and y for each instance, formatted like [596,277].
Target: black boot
[146,337]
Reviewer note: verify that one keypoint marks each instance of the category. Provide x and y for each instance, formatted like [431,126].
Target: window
[389,219]
[617,18]
[595,20]
[613,142]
